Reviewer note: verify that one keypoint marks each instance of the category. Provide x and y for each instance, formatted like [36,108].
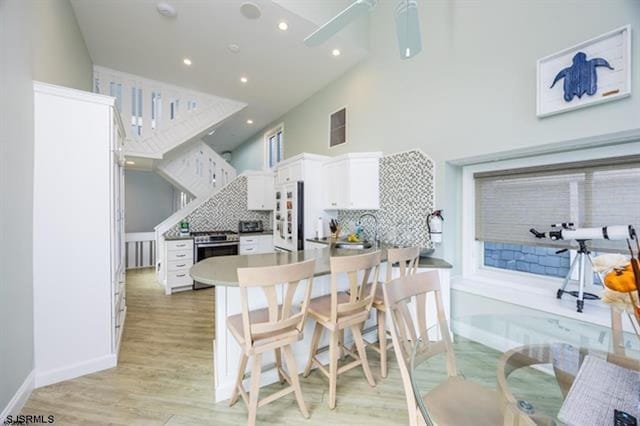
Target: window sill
[537,293]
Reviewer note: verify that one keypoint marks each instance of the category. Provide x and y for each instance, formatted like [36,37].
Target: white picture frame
[614,46]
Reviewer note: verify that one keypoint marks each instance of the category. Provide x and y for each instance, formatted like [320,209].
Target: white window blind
[590,194]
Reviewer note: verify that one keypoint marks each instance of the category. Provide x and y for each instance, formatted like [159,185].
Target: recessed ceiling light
[167,10]
[211,132]
[335,52]
[243,79]
[233,48]
[249,121]
[187,61]
[283,26]
[250,10]
[131,163]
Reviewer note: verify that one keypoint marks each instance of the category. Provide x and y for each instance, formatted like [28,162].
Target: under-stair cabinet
[78,233]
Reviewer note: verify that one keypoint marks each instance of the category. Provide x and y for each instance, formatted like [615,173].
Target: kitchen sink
[360,245]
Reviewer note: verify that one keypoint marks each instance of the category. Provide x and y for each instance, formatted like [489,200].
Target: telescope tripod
[580,261]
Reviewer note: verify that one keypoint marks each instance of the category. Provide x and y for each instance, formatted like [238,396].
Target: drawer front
[179,278]
[179,245]
[179,265]
[248,241]
[180,255]
[249,249]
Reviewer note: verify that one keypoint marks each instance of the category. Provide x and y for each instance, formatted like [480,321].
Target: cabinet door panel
[255,194]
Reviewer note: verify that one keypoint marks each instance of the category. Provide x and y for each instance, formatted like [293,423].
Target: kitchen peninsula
[222,273]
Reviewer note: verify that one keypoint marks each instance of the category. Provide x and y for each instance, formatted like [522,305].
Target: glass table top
[530,361]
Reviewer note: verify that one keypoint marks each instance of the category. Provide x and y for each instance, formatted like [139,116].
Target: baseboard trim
[15,405]
[76,370]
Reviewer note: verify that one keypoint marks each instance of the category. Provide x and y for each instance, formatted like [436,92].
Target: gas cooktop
[214,236]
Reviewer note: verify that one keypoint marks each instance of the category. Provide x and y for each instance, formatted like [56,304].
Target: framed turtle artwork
[589,73]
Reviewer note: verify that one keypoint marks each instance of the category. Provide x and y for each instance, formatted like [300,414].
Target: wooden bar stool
[455,401]
[273,328]
[407,260]
[338,311]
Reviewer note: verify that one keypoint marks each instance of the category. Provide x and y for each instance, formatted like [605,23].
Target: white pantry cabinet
[78,233]
[352,182]
[260,191]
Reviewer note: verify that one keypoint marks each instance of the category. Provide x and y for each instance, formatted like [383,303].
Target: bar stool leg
[295,382]
[382,341]
[279,365]
[317,333]
[357,337]
[333,367]
[241,369]
[255,388]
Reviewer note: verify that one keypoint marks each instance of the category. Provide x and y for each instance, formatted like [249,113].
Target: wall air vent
[338,127]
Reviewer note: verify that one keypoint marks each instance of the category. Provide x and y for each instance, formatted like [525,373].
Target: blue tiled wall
[536,260]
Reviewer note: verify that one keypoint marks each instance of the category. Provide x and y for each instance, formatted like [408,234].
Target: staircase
[160,117]
[195,168]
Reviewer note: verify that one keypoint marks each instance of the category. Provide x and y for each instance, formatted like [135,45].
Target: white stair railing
[158,116]
[196,168]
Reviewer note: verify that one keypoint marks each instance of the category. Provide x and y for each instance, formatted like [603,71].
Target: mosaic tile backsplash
[406,199]
[224,210]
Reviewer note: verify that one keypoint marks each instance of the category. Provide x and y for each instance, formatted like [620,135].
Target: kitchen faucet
[376,240]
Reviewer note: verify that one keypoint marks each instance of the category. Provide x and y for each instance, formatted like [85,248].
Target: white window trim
[529,286]
[265,144]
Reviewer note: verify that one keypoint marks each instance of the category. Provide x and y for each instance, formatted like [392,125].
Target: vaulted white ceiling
[132,36]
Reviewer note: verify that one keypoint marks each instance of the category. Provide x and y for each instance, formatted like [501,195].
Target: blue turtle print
[581,77]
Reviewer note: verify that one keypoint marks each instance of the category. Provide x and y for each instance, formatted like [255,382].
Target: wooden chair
[407,260]
[338,311]
[455,401]
[274,328]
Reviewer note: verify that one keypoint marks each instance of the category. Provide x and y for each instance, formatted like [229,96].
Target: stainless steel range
[211,244]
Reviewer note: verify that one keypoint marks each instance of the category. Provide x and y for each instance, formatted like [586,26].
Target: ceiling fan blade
[408,29]
[338,22]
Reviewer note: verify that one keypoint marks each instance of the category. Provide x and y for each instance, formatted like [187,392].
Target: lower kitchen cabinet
[179,258]
[256,244]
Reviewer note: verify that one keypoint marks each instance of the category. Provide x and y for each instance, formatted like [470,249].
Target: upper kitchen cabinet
[290,172]
[260,191]
[352,182]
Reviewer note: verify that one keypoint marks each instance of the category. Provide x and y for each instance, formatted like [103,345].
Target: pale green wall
[149,200]
[470,92]
[16,202]
[60,55]
[39,39]
[250,155]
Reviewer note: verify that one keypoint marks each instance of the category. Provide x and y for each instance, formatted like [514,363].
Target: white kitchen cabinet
[179,258]
[290,172]
[260,191]
[78,217]
[352,182]
[256,244]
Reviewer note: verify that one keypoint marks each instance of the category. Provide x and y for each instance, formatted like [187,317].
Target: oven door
[205,251]
[226,248]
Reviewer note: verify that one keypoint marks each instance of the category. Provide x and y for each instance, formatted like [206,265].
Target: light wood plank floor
[164,375]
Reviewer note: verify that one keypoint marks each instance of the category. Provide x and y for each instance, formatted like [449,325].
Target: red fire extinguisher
[434,225]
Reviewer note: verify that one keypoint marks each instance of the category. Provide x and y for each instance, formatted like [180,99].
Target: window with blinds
[590,194]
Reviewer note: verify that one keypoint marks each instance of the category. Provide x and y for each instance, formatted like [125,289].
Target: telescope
[568,231]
